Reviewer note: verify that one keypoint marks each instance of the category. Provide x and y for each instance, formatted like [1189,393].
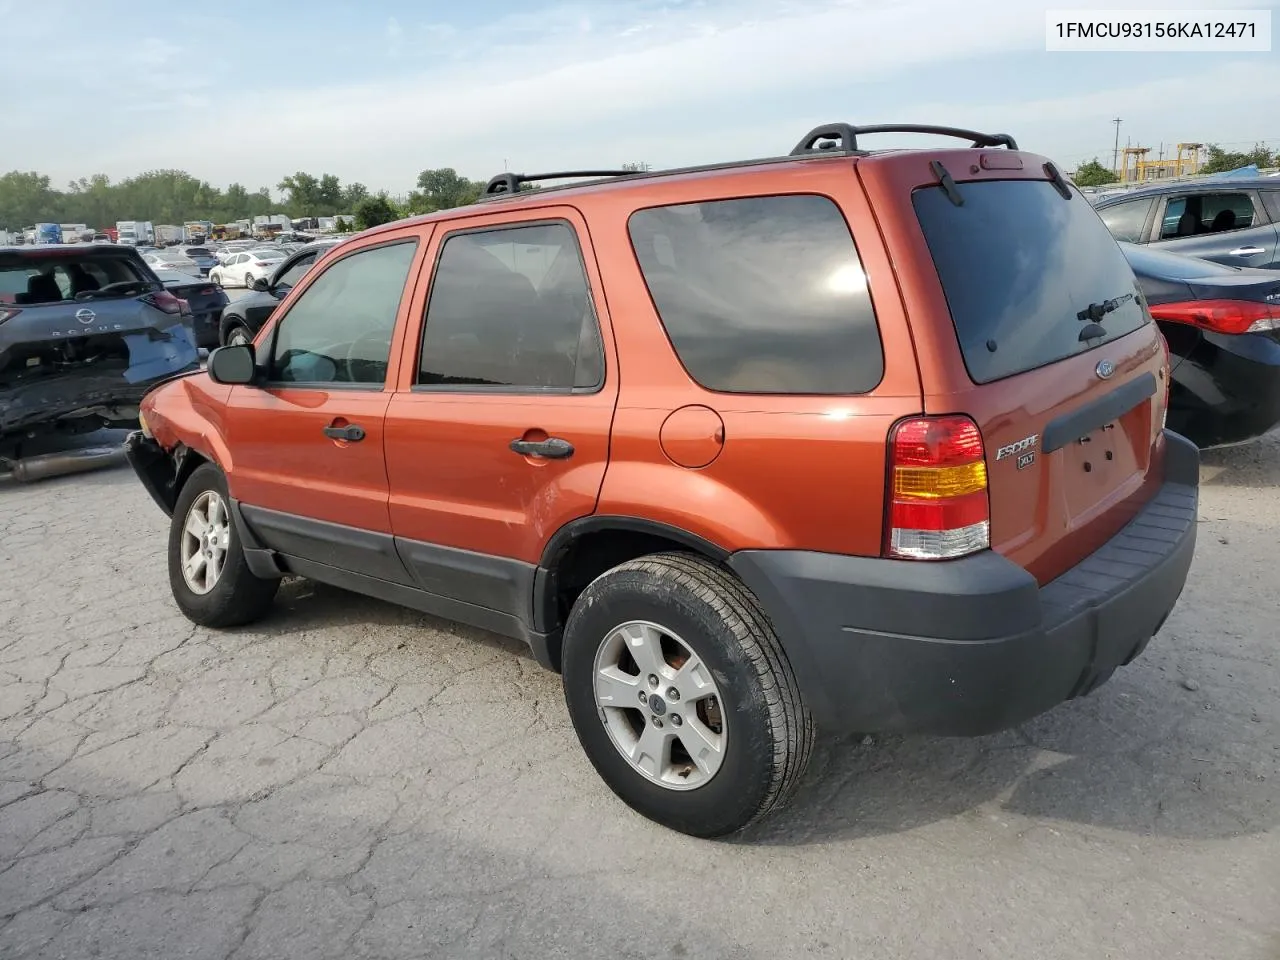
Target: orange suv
[851,440]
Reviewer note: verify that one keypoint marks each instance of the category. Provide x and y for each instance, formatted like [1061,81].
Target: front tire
[210,580]
[721,736]
[237,335]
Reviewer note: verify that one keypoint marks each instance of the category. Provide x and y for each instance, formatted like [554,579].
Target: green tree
[27,198]
[328,197]
[375,210]
[442,189]
[1220,161]
[1093,174]
[352,194]
[302,192]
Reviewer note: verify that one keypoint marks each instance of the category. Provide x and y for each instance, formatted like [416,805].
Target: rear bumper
[1227,389]
[108,390]
[975,645]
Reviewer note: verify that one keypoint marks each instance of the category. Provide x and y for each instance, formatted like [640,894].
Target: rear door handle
[352,433]
[1247,251]
[553,448]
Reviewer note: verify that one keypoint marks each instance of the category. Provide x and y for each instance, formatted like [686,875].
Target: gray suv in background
[1228,221]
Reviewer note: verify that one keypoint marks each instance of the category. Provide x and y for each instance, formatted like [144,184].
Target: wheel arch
[583,549]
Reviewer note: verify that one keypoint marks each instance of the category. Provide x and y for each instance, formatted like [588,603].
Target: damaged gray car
[85,331]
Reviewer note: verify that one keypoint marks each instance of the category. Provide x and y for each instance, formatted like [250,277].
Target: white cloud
[395,37]
[666,82]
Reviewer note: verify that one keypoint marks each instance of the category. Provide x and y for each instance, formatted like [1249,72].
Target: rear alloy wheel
[238,336]
[682,696]
[248,281]
[210,579]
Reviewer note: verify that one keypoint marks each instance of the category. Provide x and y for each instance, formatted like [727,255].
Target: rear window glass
[761,295]
[197,252]
[39,280]
[1018,264]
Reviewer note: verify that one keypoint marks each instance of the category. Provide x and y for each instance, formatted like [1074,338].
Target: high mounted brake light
[1222,316]
[938,506]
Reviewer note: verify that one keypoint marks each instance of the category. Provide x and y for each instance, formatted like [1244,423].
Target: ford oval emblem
[86,316]
[1105,369]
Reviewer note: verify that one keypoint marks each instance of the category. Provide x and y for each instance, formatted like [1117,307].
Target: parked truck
[48,233]
[137,233]
[168,234]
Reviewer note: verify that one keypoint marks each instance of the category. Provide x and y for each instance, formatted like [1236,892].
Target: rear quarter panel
[804,472]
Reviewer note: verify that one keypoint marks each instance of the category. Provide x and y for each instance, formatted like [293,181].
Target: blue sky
[251,91]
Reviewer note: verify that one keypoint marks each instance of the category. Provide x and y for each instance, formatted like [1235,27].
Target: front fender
[190,413]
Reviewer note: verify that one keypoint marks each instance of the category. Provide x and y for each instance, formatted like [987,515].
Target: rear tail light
[938,506]
[8,313]
[1221,316]
[206,291]
[165,302]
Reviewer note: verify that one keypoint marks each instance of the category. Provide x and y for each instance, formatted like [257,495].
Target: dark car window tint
[294,273]
[1200,213]
[1126,220]
[339,330]
[761,295]
[1271,199]
[511,307]
[1017,264]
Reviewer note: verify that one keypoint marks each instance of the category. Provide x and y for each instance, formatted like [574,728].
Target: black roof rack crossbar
[505,183]
[843,137]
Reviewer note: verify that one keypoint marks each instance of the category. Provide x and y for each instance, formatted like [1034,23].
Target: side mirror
[261,285]
[233,365]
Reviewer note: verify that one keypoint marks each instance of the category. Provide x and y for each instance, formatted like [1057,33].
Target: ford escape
[849,440]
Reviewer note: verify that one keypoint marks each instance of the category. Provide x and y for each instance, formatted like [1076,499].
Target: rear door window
[1200,213]
[1127,220]
[762,294]
[1018,265]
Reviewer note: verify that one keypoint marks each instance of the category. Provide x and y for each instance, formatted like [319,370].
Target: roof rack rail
[505,183]
[843,137]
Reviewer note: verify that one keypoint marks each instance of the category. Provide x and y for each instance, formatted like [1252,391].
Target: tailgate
[1049,346]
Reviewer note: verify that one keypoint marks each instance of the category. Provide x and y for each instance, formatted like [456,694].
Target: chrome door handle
[1246,251]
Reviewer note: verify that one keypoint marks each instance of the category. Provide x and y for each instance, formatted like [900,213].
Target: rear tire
[248,281]
[203,536]
[755,754]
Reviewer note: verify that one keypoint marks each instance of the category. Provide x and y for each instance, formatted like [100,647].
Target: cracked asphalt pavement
[349,779]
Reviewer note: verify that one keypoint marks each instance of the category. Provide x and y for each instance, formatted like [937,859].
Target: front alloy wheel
[206,537]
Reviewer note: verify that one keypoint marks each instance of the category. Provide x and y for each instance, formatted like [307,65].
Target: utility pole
[1115,153]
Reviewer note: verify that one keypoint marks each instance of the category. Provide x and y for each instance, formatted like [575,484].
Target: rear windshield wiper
[1096,311]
